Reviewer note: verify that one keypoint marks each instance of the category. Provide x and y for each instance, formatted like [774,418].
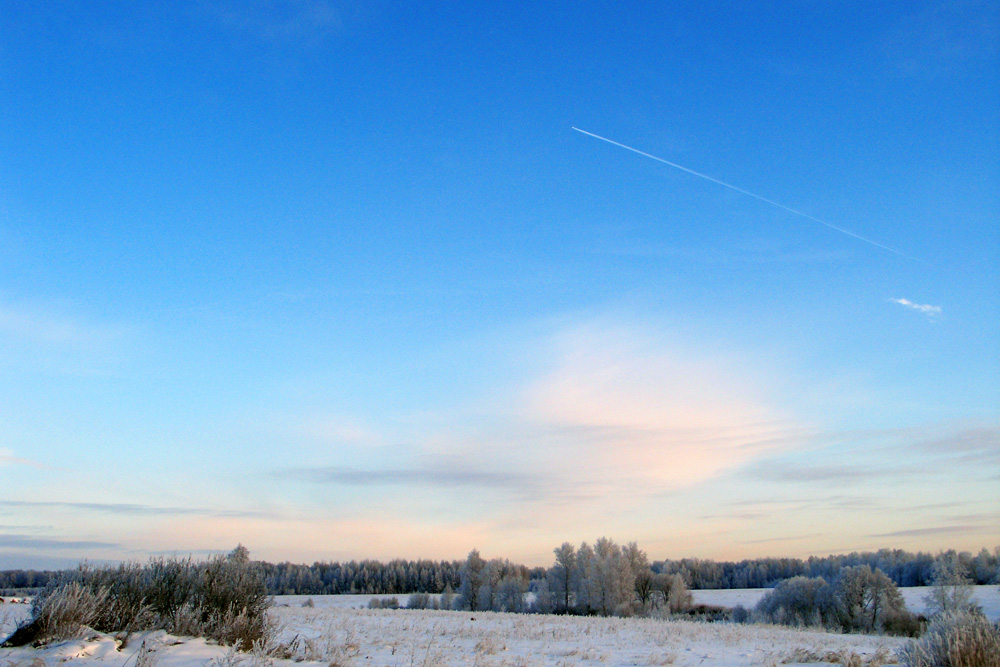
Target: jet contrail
[749,194]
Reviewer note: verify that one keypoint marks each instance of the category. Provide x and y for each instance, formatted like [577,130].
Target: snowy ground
[340,632]
[344,637]
[987,597]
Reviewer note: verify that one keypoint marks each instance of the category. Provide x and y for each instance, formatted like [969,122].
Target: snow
[401,637]
[341,631]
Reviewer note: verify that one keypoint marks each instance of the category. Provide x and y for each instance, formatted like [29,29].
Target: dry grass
[958,639]
[224,598]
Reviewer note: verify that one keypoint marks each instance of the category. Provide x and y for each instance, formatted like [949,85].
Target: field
[340,631]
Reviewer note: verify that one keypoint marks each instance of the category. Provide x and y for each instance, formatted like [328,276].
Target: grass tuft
[955,639]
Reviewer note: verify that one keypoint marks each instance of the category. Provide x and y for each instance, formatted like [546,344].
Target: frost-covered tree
[584,590]
[612,581]
[867,598]
[639,573]
[678,595]
[561,576]
[448,598]
[952,589]
[492,573]
[471,574]
[605,578]
[544,602]
[799,601]
[510,593]
[985,568]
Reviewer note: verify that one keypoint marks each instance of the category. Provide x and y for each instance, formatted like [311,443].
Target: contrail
[750,194]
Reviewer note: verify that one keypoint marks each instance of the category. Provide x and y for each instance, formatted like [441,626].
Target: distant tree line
[13,582]
[401,577]
[902,567]
[366,577]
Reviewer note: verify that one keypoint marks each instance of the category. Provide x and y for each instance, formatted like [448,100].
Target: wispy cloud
[32,542]
[926,309]
[944,38]
[410,477]
[620,418]
[281,21]
[46,336]
[7,458]
[129,509]
[925,532]
[655,413]
[43,326]
[980,445]
[328,429]
[791,472]
[787,538]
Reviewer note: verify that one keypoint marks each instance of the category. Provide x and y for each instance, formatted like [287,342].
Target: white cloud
[7,458]
[930,311]
[634,409]
[619,417]
[40,326]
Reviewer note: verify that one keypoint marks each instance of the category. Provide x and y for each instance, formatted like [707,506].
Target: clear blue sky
[339,280]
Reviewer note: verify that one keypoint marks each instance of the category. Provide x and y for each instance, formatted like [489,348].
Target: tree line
[400,577]
[902,567]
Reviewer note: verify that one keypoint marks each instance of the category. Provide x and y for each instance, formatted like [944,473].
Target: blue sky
[339,280]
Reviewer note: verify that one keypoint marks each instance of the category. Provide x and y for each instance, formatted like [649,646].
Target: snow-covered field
[341,631]
[338,636]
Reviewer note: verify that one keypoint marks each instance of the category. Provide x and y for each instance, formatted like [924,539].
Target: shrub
[862,600]
[798,601]
[233,600]
[69,613]
[904,624]
[741,614]
[224,598]
[955,639]
[384,603]
[419,601]
[708,612]
[868,601]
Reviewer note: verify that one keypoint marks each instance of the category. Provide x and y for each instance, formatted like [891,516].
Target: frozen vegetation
[341,631]
[332,634]
[597,605]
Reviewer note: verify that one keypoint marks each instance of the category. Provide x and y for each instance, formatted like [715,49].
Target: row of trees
[400,577]
[367,577]
[604,579]
[902,567]
[14,581]
[609,579]
[495,585]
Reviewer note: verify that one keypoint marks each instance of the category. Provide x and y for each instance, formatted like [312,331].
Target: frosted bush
[224,598]
[955,639]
